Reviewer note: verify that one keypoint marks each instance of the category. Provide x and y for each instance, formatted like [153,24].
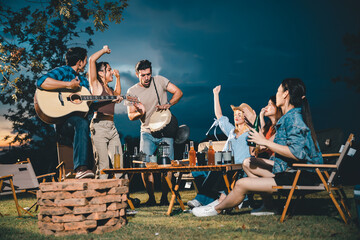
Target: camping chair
[41,178]
[21,178]
[327,174]
[65,160]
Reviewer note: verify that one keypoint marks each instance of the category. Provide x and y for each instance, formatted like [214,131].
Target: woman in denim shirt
[295,141]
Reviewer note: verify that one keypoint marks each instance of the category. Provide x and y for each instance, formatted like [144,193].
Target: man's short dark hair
[75,54]
[142,65]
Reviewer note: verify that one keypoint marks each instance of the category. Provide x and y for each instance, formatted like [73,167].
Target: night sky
[248,47]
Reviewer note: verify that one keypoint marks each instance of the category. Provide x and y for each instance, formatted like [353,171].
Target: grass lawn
[314,218]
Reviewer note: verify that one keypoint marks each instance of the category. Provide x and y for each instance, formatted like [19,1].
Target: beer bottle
[256,127]
[192,154]
[186,152]
[211,154]
[117,158]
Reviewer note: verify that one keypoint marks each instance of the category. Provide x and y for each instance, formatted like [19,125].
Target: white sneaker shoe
[205,211]
[84,174]
[213,204]
[194,203]
[262,211]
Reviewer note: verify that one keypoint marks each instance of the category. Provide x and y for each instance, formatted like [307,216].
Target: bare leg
[222,197]
[148,180]
[165,188]
[244,186]
[258,167]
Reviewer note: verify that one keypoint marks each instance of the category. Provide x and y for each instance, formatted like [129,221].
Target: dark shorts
[305,179]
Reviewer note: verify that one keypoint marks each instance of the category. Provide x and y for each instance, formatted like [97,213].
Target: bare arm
[262,120]
[94,83]
[176,96]
[53,84]
[117,90]
[217,107]
[135,111]
[259,138]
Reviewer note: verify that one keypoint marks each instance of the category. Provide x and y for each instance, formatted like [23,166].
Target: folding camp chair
[20,178]
[41,178]
[327,174]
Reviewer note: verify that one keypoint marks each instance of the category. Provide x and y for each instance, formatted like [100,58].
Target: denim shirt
[239,145]
[64,73]
[291,131]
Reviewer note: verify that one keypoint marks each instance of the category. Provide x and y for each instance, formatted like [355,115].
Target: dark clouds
[248,47]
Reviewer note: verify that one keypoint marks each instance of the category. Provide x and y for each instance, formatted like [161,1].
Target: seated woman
[208,183]
[273,113]
[104,134]
[260,165]
[295,141]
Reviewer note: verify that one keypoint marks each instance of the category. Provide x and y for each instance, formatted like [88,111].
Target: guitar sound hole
[75,98]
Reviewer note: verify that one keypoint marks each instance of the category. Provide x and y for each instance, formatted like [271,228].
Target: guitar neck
[98,98]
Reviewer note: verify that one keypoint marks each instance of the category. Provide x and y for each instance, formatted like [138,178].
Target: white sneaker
[262,211]
[194,203]
[84,174]
[205,211]
[213,204]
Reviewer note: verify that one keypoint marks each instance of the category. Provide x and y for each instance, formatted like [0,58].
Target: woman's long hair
[297,93]
[100,67]
[278,114]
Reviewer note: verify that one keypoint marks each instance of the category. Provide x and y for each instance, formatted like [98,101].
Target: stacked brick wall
[82,206]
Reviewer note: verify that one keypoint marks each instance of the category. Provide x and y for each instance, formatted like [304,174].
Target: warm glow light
[5,130]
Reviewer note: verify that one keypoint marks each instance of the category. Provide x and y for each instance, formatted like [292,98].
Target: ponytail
[306,114]
[297,92]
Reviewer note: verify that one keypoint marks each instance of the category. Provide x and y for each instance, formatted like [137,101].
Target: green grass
[314,218]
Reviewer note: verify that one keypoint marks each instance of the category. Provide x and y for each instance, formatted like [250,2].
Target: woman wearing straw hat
[237,137]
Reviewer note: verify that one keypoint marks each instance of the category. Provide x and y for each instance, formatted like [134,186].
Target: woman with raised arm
[295,141]
[237,136]
[104,134]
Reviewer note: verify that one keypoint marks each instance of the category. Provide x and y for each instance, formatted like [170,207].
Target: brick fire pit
[82,206]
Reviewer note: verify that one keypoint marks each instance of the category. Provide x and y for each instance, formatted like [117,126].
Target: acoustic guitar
[55,106]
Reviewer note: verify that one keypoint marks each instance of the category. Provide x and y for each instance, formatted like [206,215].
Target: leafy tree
[33,40]
[352,44]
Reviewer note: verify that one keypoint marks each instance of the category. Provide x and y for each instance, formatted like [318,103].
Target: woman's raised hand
[217,89]
[107,49]
[116,73]
[262,112]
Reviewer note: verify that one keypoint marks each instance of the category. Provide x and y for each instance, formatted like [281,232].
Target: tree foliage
[33,40]
[352,44]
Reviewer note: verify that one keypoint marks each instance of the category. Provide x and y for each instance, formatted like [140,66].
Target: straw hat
[241,107]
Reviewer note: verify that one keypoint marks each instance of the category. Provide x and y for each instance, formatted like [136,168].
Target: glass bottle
[256,127]
[229,155]
[117,158]
[211,154]
[126,158]
[186,152]
[136,153]
[192,154]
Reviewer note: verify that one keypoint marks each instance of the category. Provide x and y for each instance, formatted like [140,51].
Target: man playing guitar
[67,77]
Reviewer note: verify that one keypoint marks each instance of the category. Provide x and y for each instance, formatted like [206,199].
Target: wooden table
[182,169]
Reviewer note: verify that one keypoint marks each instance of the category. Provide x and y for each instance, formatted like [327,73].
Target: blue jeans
[202,196]
[81,140]
[210,185]
[148,144]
